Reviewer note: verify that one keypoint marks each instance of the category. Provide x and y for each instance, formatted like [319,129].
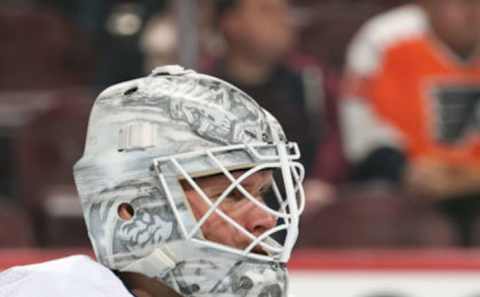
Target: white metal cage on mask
[222,160]
[148,136]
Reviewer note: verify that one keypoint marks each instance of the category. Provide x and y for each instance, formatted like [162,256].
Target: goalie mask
[208,180]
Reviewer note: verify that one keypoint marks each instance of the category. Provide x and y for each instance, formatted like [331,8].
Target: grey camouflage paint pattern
[188,112]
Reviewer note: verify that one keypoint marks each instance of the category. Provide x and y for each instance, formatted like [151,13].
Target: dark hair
[222,7]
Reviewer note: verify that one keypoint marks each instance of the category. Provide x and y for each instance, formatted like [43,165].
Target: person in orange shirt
[411,108]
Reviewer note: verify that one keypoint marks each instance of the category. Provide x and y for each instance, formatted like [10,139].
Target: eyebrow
[262,188]
[224,180]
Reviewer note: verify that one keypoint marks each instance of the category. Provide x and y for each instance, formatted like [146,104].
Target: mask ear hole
[125,211]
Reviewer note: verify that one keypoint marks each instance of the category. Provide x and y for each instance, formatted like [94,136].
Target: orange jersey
[414,85]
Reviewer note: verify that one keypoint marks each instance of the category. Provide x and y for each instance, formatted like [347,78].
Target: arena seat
[47,148]
[61,58]
[375,218]
[16,229]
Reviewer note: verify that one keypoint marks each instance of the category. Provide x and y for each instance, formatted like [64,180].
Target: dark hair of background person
[222,7]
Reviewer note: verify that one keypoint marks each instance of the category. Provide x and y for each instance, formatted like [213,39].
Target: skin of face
[236,206]
[456,22]
[260,28]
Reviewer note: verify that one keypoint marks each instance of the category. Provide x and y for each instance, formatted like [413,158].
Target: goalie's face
[242,210]
[249,213]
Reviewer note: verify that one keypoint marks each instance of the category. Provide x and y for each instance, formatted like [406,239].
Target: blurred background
[382,97]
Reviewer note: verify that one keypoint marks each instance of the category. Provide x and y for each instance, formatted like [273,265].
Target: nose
[258,221]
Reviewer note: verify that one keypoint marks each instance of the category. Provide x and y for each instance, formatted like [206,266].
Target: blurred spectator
[139,36]
[327,26]
[159,42]
[259,43]
[412,89]
[114,28]
[259,38]
[119,44]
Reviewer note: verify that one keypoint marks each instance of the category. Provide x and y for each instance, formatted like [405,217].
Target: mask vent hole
[125,211]
[130,91]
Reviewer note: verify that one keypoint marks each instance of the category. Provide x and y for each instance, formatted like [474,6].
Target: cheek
[198,209]
[217,227]
[475,21]
[278,39]
[455,17]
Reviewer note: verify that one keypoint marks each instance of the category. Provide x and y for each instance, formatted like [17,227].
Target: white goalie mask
[151,144]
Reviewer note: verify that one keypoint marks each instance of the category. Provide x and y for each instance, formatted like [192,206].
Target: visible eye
[214,196]
[236,195]
[266,191]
